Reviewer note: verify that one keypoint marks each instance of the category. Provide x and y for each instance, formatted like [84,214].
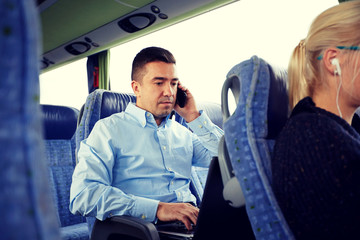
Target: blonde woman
[316,161]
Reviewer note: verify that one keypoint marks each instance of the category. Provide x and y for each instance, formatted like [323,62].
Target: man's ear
[135,85]
[329,55]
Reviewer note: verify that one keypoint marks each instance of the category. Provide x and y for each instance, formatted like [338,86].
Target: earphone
[335,62]
[337,71]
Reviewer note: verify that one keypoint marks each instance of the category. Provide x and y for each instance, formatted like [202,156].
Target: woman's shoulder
[312,129]
[307,116]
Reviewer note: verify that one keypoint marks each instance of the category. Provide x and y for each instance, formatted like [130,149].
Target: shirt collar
[142,116]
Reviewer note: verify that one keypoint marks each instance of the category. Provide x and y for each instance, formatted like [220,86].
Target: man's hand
[184,212]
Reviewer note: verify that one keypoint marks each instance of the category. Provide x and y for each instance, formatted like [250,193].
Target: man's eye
[175,84]
[158,83]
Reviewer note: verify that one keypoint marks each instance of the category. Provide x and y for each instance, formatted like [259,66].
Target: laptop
[216,220]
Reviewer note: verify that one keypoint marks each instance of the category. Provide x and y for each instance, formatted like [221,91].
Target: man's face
[156,92]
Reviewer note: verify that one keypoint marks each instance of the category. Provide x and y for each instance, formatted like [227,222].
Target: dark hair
[147,55]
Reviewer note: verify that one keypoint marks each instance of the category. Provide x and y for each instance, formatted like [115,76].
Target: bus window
[205,47]
[66,86]
[208,46]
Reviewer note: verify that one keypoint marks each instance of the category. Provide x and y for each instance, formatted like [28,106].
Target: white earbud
[335,62]
[337,71]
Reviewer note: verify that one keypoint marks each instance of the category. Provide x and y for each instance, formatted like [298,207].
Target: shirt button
[200,126]
[179,194]
[143,216]
[164,147]
[148,114]
[169,169]
[172,182]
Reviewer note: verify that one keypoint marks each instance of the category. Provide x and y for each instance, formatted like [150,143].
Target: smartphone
[181,98]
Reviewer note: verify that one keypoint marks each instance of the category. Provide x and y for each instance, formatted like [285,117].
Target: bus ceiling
[73,30]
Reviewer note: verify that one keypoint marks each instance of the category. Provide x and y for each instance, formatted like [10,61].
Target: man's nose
[169,90]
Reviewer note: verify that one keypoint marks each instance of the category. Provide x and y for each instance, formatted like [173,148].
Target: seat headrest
[274,94]
[59,122]
[113,102]
[104,103]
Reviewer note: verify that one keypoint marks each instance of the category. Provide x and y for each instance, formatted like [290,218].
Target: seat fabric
[60,123]
[26,206]
[250,133]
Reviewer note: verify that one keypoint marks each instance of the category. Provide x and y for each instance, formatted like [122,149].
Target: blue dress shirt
[129,163]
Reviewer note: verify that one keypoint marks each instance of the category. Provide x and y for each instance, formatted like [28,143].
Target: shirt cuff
[145,208]
[201,124]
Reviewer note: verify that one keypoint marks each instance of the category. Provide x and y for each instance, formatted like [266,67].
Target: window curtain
[98,66]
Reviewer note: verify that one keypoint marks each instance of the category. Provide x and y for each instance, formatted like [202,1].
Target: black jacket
[316,173]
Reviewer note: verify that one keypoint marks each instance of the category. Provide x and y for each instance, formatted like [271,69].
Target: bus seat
[199,174]
[100,104]
[26,207]
[103,103]
[213,110]
[60,123]
[250,132]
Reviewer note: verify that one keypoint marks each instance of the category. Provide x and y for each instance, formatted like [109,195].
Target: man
[138,162]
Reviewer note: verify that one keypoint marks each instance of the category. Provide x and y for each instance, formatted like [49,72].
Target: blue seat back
[60,123]
[26,207]
[102,103]
[99,104]
[250,132]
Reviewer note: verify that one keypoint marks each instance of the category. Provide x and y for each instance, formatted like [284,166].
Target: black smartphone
[181,98]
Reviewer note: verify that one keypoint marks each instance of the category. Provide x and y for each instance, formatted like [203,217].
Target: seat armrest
[124,226]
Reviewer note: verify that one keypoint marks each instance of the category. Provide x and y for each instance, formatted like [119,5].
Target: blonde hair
[337,26]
